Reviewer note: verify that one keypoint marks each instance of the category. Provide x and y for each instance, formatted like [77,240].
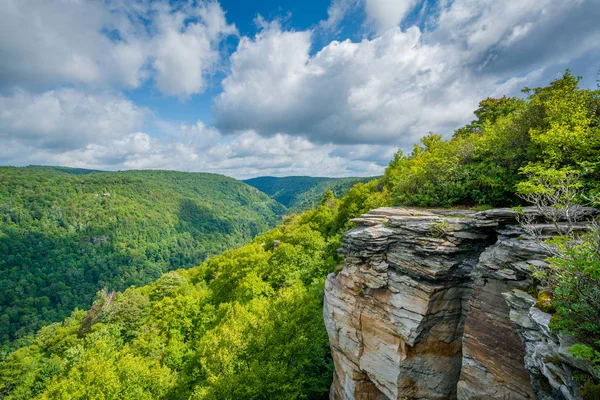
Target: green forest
[247,324]
[301,193]
[67,233]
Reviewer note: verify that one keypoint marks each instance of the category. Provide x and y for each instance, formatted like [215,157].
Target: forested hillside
[248,324]
[556,128]
[67,233]
[300,193]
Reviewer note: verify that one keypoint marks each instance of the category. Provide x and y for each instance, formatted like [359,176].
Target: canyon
[439,304]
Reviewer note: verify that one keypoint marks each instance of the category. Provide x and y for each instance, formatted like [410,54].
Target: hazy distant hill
[299,193]
[66,233]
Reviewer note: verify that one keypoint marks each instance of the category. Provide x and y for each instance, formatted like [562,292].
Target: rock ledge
[431,304]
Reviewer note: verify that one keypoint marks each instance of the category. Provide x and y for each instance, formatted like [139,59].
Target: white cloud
[342,109]
[66,118]
[336,13]
[129,60]
[380,14]
[395,87]
[185,54]
[52,42]
[103,131]
[386,14]
[383,90]
[199,148]
[100,43]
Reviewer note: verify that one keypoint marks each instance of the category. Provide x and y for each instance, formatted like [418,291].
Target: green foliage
[556,195]
[301,193]
[360,199]
[590,391]
[557,126]
[439,229]
[66,233]
[245,324]
[248,323]
[574,278]
[574,273]
[489,111]
[569,133]
[555,186]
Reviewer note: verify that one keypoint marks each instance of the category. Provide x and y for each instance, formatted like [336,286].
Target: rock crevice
[430,305]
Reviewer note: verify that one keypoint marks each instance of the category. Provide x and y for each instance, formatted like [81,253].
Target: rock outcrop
[432,304]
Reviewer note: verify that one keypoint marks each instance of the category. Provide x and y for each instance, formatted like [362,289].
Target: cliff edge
[434,304]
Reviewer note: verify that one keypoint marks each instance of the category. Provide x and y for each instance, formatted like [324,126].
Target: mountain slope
[248,324]
[300,193]
[66,233]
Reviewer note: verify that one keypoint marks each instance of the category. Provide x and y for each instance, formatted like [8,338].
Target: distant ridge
[66,170]
[66,233]
[300,193]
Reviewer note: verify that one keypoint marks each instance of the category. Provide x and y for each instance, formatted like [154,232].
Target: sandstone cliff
[433,304]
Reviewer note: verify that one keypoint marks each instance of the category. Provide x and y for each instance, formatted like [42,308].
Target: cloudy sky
[268,87]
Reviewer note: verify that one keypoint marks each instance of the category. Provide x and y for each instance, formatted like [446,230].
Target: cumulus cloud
[105,131]
[337,12]
[386,14]
[395,87]
[286,106]
[380,14]
[184,54]
[201,148]
[384,90]
[50,42]
[99,43]
[66,118]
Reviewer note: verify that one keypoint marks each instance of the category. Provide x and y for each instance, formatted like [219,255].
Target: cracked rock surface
[429,305]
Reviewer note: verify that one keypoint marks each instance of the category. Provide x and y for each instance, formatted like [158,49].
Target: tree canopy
[247,324]
[67,233]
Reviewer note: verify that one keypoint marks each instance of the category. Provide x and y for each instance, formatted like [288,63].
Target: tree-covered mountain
[300,193]
[67,233]
[248,324]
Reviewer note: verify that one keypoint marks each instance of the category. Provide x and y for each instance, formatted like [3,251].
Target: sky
[268,87]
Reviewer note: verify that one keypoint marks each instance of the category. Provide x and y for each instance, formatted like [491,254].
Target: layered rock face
[429,305]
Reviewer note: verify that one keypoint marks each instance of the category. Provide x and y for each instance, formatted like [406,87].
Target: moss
[590,391]
[338,268]
[553,360]
[544,302]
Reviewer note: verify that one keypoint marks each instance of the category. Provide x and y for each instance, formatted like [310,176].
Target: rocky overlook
[434,304]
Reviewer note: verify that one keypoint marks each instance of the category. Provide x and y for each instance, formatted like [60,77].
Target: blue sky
[292,14]
[269,87]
